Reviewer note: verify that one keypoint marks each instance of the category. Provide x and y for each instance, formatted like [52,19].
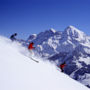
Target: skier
[62,66]
[12,37]
[30,48]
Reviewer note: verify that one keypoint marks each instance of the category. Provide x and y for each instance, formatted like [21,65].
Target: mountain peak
[72,28]
[52,30]
[73,32]
[32,37]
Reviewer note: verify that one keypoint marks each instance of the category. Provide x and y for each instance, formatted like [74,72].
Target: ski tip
[37,61]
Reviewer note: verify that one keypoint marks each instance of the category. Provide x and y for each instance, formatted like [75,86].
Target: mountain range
[71,45]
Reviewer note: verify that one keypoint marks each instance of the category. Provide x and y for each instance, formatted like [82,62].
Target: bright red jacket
[30,47]
[62,66]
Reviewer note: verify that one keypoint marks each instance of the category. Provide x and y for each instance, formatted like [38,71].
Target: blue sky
[33,16]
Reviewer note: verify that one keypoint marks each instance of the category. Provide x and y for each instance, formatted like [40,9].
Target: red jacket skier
[30,47]
[62,66]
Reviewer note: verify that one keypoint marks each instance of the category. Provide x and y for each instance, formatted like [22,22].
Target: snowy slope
[18,72]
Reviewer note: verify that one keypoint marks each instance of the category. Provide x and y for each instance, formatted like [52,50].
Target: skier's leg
[62,70]
[31,53]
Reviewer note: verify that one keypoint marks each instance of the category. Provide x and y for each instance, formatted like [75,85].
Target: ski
[34,59]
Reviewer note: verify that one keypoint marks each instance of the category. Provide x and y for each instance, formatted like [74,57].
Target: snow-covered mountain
[18,72]
[71,45]
[51,42]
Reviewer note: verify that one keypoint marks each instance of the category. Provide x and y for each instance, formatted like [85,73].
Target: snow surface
[18,72]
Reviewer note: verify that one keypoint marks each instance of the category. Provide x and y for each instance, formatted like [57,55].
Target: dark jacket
[12,37]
